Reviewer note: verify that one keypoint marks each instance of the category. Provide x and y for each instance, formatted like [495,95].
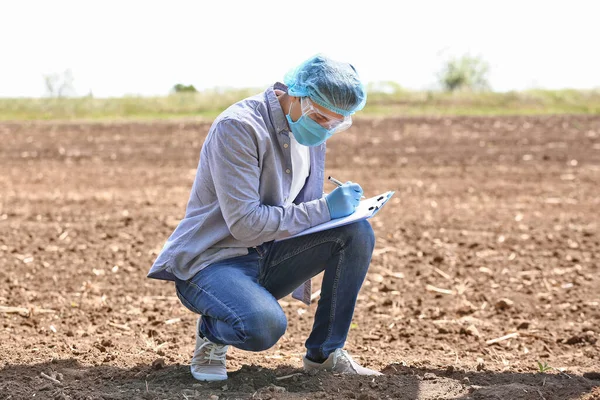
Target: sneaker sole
[208,377]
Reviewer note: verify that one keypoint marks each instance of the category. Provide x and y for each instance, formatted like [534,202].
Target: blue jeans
[237,298]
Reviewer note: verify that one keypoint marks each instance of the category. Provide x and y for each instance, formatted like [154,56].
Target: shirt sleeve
[232,153]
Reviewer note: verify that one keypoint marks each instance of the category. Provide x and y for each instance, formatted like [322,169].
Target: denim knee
[360,234]
[263,330]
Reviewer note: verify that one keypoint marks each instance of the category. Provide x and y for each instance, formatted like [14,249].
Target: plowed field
[486,263]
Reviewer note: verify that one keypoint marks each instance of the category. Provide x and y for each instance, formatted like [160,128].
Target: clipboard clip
[381,200]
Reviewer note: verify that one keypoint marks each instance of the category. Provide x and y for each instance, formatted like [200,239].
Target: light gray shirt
[238,199]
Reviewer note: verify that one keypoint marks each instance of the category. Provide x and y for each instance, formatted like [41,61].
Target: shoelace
[216,353]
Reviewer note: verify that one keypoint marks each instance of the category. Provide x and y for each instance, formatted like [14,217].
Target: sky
[131,47]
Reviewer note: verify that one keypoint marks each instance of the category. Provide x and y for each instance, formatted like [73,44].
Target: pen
[338,183]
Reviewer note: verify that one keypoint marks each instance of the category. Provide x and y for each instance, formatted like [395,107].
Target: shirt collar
[277,114]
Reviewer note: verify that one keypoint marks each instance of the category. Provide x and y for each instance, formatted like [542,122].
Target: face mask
[308,132]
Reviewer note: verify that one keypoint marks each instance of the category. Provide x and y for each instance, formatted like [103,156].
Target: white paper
[366,209]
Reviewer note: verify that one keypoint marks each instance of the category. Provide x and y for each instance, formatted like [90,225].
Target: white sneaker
[208,362]
[339,361]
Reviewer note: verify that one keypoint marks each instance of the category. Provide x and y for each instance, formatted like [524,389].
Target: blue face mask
[307,131]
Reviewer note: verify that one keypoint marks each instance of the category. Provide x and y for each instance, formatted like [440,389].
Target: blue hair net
[331,84]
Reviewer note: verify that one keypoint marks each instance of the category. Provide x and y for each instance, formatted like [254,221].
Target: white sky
[144,47]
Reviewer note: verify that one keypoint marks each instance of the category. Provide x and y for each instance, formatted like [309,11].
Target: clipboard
[365,210]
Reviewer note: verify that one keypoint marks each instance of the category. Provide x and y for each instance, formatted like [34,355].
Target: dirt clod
[504,304]
[592,375]
[429,376]
[470,330]
[159,363]
[523,325]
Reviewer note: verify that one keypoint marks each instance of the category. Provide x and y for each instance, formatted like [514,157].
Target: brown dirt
[501,214]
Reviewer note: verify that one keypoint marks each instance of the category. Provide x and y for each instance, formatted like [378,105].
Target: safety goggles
[327,121]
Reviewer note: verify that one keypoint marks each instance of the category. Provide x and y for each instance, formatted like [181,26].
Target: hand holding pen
[344,199]
[338,183]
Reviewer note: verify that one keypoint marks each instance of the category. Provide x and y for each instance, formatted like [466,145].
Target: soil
[493,231]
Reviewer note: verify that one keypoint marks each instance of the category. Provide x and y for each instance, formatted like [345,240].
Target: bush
[465,73]
[180,88]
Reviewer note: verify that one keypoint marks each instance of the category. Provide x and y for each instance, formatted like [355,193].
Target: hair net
[331,84]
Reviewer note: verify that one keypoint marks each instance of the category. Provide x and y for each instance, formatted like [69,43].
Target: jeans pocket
[262,267]
[263,250]
[263,254]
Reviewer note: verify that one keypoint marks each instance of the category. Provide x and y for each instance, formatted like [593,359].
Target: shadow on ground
[68,379]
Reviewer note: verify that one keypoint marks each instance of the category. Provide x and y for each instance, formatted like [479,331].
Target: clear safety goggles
[326,120]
